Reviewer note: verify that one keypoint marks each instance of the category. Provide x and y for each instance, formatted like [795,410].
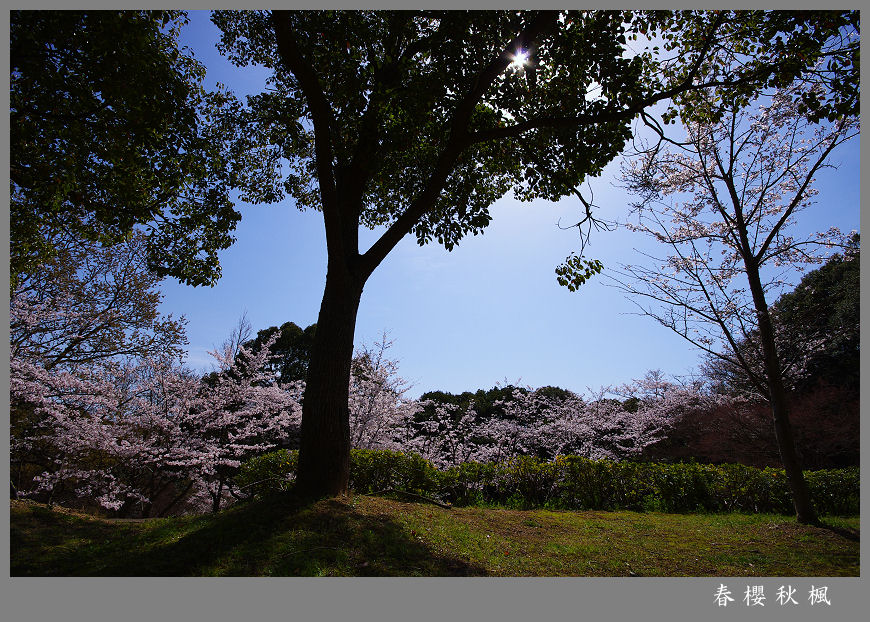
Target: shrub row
[575,483]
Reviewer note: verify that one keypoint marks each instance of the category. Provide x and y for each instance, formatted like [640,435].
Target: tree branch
[457,141]
[802,190]
[322,119]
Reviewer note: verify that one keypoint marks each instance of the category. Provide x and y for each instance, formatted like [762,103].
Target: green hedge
[267,473]
[376,471]
[575,483]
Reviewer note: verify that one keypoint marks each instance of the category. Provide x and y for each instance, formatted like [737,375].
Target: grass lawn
[374,536]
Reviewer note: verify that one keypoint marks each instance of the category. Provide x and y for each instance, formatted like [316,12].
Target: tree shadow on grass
[54,542]
[275,537]
[846,532]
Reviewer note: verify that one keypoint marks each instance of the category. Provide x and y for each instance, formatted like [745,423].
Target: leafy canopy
[419,121]
[393,81]
[111,128]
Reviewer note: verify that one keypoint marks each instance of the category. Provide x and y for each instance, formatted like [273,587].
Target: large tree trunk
[324,451]
[779,405]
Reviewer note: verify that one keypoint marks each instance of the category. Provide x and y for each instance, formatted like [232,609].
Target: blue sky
[489,311]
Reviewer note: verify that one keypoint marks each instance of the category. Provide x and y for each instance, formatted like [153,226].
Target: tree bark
[779,405]
[790,460]
[216,496]
[324,451]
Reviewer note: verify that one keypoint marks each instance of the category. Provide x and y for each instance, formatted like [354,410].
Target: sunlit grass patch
[374,536]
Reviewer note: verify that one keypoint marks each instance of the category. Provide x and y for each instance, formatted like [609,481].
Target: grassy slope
[372,536]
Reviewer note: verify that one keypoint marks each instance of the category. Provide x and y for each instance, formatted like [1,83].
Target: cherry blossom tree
[545,424]
[376,397]
[522,428]
[89,303]
[103,433]
[78,323]
[445,434]
[242,412]
[724,203]
[102,409]
[121,433]
[603,427]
